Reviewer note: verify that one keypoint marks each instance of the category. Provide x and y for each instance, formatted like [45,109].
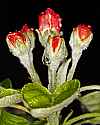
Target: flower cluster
[49,27]
[20,42]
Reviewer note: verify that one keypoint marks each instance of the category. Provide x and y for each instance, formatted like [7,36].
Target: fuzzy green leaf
[93,118]
[6,92]
[36,96]
[11,119]
[62,97]
[6,83]
[39,122]
[91,101]
[90,121]
[65,90]
[9,97]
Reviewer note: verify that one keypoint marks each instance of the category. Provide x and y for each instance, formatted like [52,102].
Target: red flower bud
[25,28]
[12,37]
[81,37]
[84,31]
[55,44]
[55,41]
[49,20]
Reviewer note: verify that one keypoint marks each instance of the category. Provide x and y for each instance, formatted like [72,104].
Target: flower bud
[49,20]
[55,44]
[49,25]
[29,34]
[21,42]
[81,37]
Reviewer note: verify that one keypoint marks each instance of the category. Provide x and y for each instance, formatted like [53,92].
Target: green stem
[75,58]
[68,116]
[53,119]
[52,80]
[27,61]
[71,71]
[81,117]
[34,75]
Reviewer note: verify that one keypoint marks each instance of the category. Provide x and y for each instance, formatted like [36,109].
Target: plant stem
[75,59]
[52,80]
[27,61]
[71,71]
[53,118]
[92,87]
[68,116]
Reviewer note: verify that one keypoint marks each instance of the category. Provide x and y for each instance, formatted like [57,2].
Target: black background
[15,13]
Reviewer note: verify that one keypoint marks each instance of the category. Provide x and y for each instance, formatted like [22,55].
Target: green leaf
[11,119]
[6,83]
[90,121]
[84,118]
[9,97]
[65,90]
[62,97]
[39,122]
[91,101]
[36,96]
[6,92]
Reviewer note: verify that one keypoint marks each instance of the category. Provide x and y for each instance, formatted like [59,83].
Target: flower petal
[84,31]
[16,36]
[49,20]
[25,28]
